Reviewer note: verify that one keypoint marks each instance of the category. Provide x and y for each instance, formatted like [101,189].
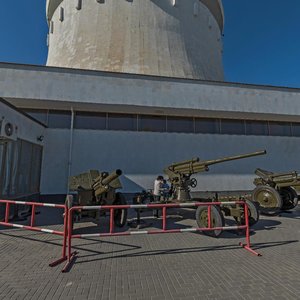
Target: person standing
[157,188]
[165,189]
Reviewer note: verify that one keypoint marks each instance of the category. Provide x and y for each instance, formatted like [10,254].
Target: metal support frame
[72,255]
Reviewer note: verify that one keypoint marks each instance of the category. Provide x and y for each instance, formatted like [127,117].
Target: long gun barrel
[183,163]
[220,160]
[196,165]
[180,173]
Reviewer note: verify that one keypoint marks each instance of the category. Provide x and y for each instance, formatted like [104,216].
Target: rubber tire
[253,212]
[120,216]
[270,211]
[290,203]
[217,219]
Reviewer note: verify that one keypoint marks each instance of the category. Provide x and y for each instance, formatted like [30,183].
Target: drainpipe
[71,148]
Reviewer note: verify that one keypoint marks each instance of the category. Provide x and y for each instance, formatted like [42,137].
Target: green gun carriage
[276,191]
[98,188]
[179,174]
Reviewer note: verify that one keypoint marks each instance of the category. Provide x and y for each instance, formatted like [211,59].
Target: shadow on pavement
[77,247]
[129,247]
[183,251]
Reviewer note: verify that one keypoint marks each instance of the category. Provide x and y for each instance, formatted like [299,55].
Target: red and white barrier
[71,256]
[33,205]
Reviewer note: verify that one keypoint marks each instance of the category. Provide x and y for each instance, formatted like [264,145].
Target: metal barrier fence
[71,255]
[33,206]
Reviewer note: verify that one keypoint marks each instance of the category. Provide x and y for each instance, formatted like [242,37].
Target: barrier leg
[209,216]
[164,214]
[71,256]
[63,257]
[247,246]
[32,216]
[7,212]
[111,221]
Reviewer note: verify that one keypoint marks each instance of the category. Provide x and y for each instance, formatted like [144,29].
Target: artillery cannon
[276,191]
[99,188]
[180,178]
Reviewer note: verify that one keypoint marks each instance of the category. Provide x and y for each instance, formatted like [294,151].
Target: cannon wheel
[289,198]
[120,217]
[217,219]
[253,211]
[268,198]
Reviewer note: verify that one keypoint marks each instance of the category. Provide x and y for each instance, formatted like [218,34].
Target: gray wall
[142,156]
[40,87]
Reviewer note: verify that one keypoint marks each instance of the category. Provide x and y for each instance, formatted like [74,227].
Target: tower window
[51,29]
[61,14]
[79,4]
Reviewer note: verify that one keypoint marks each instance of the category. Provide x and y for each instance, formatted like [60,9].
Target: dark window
[20,168]
[6,168]
[232,126]
[122,122]
[3,150]
[280,128]
[207,126]
[38,114]
[178,124]
[152,123]
[296,129]
[24,167]
[86,120]
[59,119]
[257,128]
[36,162]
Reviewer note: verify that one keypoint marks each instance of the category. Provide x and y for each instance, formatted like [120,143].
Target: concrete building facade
[107,119]
[141,124]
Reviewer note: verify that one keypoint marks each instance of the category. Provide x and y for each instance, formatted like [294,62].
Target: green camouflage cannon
[180,178]
[99,188]
[276,191]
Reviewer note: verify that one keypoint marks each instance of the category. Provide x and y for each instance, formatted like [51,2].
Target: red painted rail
[71,255]
[31,227]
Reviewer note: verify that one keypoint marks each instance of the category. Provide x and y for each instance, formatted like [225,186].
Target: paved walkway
[173,266]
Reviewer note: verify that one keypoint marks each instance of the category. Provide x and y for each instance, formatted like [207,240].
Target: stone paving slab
[168,266]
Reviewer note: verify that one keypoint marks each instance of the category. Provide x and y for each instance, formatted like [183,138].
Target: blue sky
[261,42]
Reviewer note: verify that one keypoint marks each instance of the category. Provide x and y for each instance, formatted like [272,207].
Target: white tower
[174,38]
